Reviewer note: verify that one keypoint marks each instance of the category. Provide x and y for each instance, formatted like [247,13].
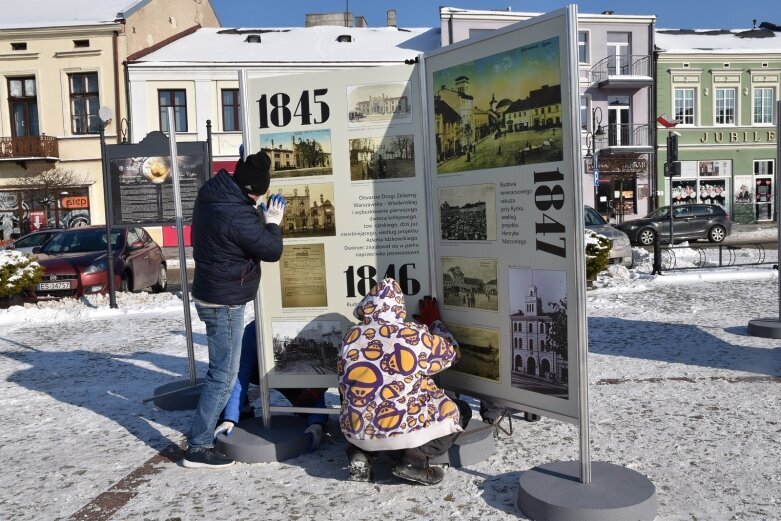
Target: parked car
[32,240]
[620,247]
[690,222]
[75,262]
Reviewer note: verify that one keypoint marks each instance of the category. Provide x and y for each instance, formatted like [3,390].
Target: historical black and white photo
[470,283]
[468,213]
[480,354]
[379,103]
[538,331]
[386,157]
[306,347]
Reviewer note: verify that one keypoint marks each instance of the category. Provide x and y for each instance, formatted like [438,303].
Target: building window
[763,106]
[231,120]
[18,46]
[176,98]
[684,106]
[618,52]
[725,106]
[582,46]
[84,103]
[763,167]
[23,104]
[584,119]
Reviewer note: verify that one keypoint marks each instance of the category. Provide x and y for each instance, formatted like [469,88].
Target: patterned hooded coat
[389,400]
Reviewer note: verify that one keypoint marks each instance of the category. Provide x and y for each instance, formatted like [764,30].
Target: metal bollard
[657,266]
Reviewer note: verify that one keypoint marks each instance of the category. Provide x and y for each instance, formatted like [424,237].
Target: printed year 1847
[276,110]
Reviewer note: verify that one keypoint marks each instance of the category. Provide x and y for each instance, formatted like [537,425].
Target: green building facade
[718,91]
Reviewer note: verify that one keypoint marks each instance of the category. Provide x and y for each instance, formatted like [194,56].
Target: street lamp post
[595,133]
[105,115]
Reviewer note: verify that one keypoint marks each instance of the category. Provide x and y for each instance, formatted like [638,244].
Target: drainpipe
[653,179]
[118,120]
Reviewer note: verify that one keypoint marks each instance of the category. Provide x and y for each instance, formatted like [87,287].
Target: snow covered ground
[678,392]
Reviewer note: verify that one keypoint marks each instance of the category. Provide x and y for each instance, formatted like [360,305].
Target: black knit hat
[252,174]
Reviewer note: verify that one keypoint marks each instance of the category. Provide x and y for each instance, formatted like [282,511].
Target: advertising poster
[345,152]
[504,165]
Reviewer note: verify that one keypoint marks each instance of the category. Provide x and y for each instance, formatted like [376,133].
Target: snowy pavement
[678,392]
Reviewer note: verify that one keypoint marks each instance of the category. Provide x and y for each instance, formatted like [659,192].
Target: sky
[692,14]
[678,393]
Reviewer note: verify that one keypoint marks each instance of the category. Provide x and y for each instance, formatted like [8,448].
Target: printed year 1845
[276,110]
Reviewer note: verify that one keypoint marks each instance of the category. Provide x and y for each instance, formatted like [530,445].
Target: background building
[60,61]
[616,100]
[719,89]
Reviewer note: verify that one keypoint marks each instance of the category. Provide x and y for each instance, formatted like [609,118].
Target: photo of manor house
[470,283]
[468,213]
[379,103]
[309,211]
[538,331]
[386,157]
[309,347]
[298,154]
[500,110]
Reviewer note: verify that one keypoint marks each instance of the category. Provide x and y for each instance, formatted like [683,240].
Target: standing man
[230,237]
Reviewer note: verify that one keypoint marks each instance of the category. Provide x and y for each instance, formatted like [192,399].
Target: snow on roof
[737,41]
[297,44]
[55,13]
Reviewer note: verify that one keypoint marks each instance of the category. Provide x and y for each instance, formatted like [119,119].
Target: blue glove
[275,210]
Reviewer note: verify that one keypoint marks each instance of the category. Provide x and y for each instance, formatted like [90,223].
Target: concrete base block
[249,442]
[765,327]
[178,396]
[474,445]
[553,492]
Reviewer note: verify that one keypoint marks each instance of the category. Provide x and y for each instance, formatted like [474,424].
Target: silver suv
[620,249]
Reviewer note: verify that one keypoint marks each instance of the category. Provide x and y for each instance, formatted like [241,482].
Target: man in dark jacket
[230,237]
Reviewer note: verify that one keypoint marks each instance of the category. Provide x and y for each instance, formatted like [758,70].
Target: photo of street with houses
[500,110]
[470,283]
[386,157]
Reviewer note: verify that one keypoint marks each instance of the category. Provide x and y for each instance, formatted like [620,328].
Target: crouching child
[389,401]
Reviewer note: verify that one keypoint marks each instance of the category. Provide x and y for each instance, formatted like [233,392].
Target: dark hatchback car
[75,262]
[690,222]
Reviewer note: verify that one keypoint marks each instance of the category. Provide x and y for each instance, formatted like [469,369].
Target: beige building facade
[57,68]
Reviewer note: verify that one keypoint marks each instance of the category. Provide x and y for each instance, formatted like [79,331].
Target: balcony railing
[29,147]
[628,136]
[623,71]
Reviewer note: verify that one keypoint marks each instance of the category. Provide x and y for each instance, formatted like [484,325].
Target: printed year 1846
[276,110]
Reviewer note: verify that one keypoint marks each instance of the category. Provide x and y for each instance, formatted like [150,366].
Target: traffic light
[672,148]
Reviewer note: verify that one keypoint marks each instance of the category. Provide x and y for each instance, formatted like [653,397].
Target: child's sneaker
[203,458]
[419,471]
[360,468]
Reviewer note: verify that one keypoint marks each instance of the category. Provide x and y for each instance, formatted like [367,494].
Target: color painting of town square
[298,154]
[500,110]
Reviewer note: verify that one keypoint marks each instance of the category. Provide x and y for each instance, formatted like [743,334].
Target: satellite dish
[105,114]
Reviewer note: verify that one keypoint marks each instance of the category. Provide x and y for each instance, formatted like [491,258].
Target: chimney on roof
[252,38]
[755,23]
[360,21]
[391,18]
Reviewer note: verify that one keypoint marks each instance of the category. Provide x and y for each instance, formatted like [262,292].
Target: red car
[75,262]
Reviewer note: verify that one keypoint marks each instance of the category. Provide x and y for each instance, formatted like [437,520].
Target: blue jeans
[224,328]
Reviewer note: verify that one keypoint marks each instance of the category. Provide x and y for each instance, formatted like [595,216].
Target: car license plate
[53,285]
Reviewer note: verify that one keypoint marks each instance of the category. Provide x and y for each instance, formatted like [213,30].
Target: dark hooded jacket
[229,239]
